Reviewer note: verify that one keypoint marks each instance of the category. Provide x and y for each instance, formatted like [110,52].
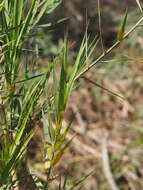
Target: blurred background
[96,112]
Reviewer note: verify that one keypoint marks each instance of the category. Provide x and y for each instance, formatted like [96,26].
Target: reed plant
[24,98]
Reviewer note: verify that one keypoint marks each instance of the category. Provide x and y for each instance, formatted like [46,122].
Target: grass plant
[21,97]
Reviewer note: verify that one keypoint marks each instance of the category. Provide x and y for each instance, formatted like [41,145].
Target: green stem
[116,44]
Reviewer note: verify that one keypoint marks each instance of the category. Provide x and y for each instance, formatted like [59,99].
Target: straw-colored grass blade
[139,5]
[61,153]
[2,5]
[121,32]
[59,123]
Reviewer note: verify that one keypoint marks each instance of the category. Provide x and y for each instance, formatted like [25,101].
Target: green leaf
[62,138]
[47,7]
[122,28]
[52,4]
[15,157]
[56,94]
[46,129]
[26,24]
[83,179]
[2,5]
[32,96]
[65,182]
[59,155]
[59,123]
[17,14]
[75,70]
[51,128]
[63,80]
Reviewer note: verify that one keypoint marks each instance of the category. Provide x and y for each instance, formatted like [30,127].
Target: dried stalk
[106,164]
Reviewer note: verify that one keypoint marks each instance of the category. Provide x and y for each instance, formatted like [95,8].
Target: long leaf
[59,155]
[83,179]
[75,70]
[63,80]
[122,28]
[62,138]
[56,94]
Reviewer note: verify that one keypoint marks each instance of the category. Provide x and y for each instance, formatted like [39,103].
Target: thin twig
[86,40]
[100,28]
[102,87]
[116,44]
[106,164]
[30,78]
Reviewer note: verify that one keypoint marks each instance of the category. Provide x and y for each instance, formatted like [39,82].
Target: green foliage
[23,101]
[19,99]
[122,28]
